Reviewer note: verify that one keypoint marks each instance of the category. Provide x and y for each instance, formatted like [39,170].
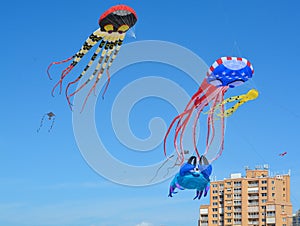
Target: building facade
[255,199]
[296,218]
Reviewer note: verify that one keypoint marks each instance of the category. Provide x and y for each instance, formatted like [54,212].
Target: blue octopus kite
[193,176]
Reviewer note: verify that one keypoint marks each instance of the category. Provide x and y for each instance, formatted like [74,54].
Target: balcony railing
[253,216]
[253,209]
[253,203]
[253,197]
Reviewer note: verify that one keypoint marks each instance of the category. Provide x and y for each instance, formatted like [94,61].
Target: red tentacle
[222,125]
[58,62]
[91,90]
[169,130]
[211,128]
[107,83]
[181,131]
[201,107]
[72,94]
[63,75]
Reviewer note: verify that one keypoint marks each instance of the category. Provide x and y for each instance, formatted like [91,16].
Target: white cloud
[144,224]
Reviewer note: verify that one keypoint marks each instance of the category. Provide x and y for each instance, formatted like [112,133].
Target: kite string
[41,123]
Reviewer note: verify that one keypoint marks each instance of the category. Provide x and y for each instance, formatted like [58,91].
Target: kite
[51,116]
[283,154]
[224,73]
[193,175]
[114,23]
[251,95]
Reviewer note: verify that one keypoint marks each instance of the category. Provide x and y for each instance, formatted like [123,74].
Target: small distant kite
[51,117]
[283,153]
[114,23]
[193,175]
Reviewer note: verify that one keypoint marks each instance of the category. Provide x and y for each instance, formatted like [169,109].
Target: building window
[264,182]
[228,183]
[228,214]
[214,222]
[238,203]
[273,194]
[228,220]
[237,190]
[215,191]
[214,185]
[215,209]
[215,215]
[228,207]
[264,201]
[237,183]
[263,194]
[215,197]
[263,188]
[273,182]
[215,203]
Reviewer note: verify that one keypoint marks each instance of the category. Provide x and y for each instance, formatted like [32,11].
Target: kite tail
[58,62]
[76,91]
[211,128]
[63,75]
[51,125]
[107,83]
[41,123]
[168,132]
[91,90]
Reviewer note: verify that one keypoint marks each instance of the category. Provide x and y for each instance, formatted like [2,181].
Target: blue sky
[44,178]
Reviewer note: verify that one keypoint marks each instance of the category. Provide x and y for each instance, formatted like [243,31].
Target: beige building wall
[256,199]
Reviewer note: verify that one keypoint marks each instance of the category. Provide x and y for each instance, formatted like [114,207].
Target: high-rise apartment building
[254,199]
[296,218]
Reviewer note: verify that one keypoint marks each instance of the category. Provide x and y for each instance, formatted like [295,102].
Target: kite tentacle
[94,38]
[58,62]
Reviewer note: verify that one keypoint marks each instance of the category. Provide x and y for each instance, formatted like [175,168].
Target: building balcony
[253,216]
[203,224]
[271,220]
[253,197]
[237,216]
[237,210]
[253,204]
[253,209]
